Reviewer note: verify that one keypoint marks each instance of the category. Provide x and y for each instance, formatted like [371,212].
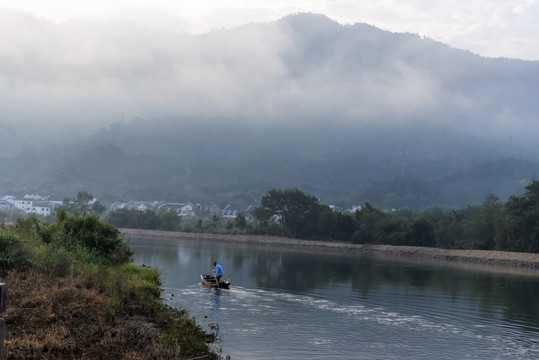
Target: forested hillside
[347,113]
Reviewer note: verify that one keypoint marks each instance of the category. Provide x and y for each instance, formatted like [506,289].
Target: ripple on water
[282,325]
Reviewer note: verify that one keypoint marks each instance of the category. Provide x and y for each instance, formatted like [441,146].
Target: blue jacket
[218,270]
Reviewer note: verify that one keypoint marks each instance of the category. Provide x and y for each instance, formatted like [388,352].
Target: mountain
[349,113]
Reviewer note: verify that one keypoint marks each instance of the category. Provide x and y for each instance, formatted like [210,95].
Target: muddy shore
[497,258]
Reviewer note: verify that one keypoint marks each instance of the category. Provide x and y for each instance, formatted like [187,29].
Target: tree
[119,218]
[295,212]
[334,225]
[368,225]
[520,230]
[421,232]
[450,230]
[240,221]
[137,219]
[487,221]
[171,220]
[215,222]
[84,202]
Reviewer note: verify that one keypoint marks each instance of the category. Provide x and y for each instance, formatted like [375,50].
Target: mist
[82,76]
[126,111]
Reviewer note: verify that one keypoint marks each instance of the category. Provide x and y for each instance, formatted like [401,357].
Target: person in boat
[218,271]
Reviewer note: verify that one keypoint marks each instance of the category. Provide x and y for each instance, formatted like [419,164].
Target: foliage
[421,231]
[13,252]
[487,222]
[450,230]
[295,212]
[511,226]
[92,251]
[129,284]
[520,229]
[182,337]
[135,219]
[86,232]
[172,221]
[240,221]
[145,219]
[334,225]
[84,202]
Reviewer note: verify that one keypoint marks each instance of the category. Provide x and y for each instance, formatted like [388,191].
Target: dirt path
[512,259]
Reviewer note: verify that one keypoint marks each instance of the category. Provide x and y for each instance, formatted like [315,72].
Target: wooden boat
[210,280]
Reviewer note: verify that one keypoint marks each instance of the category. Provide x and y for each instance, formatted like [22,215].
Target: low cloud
[79,70]
[88,74]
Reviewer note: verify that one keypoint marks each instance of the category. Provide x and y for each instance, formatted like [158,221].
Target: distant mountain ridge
[306,102]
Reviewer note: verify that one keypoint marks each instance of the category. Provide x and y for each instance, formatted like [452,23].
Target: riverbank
[53,317]
[498,258]
[72,293]
[50,317]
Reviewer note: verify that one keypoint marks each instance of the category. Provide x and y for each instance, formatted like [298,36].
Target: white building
[24,205]
[228,213]
[139,205]
[32,207]
[187,210]
[41,208]
[183,209]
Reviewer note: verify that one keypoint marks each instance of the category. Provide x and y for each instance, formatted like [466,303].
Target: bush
[87,230]
[55,261]
[13,253]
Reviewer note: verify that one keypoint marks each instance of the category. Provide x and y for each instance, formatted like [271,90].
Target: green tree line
[493,225]
[171,221]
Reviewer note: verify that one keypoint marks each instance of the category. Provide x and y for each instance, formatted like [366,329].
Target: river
[294,304]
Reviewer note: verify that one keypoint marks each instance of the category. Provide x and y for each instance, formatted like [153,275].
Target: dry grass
[61,318]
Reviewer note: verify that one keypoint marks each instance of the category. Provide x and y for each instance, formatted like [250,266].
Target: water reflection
[338,297]
[304,272]
[216,302]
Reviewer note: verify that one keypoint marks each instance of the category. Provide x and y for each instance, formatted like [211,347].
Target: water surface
[290,304]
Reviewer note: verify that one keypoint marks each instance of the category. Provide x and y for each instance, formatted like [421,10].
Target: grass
[71,299]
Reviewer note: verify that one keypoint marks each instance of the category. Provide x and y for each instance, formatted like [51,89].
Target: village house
[140,205]
[203,211]
[117,205]
[228,213]
[183,209]
[41,208]
[29,204]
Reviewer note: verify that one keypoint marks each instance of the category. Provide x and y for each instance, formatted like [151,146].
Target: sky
[492,28]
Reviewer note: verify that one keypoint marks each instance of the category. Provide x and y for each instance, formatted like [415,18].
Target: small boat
[210,280]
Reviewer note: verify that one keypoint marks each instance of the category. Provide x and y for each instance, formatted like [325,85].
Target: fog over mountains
[347,113]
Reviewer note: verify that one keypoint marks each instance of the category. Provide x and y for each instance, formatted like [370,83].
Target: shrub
[87,230]
[53,260]
[13,253]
